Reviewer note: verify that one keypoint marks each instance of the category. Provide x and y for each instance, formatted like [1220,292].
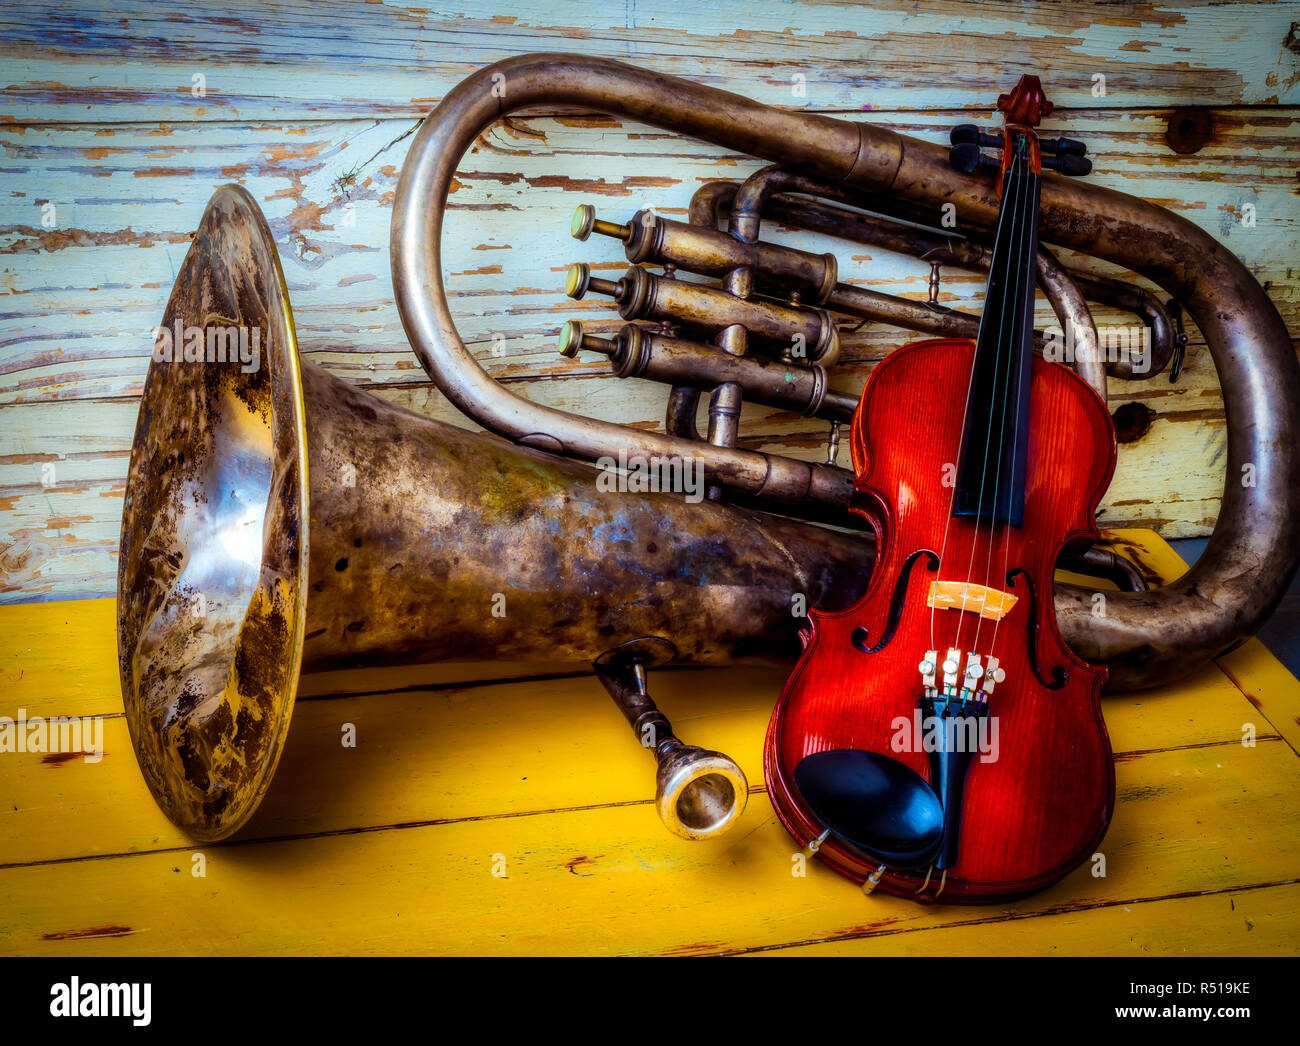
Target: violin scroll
[1026,104]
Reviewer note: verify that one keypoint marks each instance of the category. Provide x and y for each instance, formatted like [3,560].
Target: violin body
[1039,792]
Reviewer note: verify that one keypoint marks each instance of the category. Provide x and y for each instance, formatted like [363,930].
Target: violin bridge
[991,603]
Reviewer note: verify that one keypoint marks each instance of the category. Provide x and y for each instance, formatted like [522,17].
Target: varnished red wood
[1026,104]
[1022,110]
[1043,806]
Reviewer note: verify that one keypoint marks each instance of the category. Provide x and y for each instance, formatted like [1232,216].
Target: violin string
[952,498]
[1008,208]
[1020,380]
[1011,202]
[1024,209]
[1012,287]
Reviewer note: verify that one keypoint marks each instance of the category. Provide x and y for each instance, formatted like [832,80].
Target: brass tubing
[636,353]
[641,295]
[960,252]
[709,252]
[1142,303]
[964,252]
[809,214]
[1076,321]
[967,254]
[938,320]
[1146,638]
[444,138]
[725,400]
[750,199]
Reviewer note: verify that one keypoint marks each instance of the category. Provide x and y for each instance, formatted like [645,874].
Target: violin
[939,740]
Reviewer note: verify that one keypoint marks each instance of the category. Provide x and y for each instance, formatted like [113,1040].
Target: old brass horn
[866,183]
[277,520]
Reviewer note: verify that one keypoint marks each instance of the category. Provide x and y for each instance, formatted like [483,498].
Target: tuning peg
[969,134]
[968,159]
[1071,165]
[1062,146]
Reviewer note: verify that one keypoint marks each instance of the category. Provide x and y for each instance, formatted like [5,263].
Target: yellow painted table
[514,816]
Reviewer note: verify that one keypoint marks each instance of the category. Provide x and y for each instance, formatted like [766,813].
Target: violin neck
[995,440]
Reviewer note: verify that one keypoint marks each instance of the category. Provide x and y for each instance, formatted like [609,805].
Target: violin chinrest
[874,803]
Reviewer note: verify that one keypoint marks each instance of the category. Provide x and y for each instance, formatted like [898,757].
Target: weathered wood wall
[310,106]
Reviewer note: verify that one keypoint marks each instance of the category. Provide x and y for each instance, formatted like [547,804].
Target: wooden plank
[1232,923]
[460,751]
[610,880]
[137,61]
[1267,685]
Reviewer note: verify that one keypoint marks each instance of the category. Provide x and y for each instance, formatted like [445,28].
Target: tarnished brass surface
[406,563]
[643,295]
[1144,638]
[210,595]
[279,518]
[634,352]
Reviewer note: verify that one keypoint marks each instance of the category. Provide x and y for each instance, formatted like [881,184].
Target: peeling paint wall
[101,121]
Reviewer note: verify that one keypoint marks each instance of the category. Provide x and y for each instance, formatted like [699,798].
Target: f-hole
[1059,675]
[859,636]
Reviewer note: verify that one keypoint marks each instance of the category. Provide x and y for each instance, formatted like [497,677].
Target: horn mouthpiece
[700,793]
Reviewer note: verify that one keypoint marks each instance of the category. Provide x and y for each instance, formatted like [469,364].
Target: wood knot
[1189,129]
[1132,422]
